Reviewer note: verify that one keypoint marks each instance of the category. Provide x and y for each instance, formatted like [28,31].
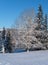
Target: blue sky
[11,9]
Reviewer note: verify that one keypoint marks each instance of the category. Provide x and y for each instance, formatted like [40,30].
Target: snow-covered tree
[9,44]
[45,24]
[40,16]
[31,32]
[3,33]
[3,39]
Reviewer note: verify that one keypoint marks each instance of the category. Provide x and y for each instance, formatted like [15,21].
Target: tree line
[6,38]
[42,25]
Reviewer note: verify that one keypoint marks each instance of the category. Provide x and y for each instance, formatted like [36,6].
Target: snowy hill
[26,58]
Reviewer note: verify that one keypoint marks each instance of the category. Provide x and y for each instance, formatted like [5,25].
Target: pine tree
[45,22]
[3,33]
[9,44]
[3,38]
[40,16]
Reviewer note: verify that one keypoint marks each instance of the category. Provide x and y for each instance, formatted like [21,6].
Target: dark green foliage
[40,12]
[45,24]
[40,16]
[3,33]
[9,44]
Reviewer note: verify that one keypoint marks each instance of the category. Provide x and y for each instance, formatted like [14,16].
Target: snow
[25,58]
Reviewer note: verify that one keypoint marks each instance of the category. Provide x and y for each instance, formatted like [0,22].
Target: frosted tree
[3,33]
[45,24]
[3,38]
[40,16]
[25,19]
[9,44]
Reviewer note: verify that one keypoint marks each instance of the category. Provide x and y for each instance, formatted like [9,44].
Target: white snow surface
[25,58]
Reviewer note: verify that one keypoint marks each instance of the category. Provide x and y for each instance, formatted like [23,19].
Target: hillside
[32,58]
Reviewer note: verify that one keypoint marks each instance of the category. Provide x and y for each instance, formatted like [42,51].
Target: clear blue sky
[11,9]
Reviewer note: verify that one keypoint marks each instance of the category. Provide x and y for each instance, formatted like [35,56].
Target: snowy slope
[25,58]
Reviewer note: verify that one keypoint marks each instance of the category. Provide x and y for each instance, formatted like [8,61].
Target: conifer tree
[40,16]
[3,38]
[9,44]
[3,33]
[45,22]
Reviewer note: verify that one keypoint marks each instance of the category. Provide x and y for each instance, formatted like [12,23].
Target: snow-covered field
[25,58]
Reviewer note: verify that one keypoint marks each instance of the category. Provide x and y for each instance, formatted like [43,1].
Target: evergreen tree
[9,44]
[3,33]
[45,22]
[40,16]
[3,38]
